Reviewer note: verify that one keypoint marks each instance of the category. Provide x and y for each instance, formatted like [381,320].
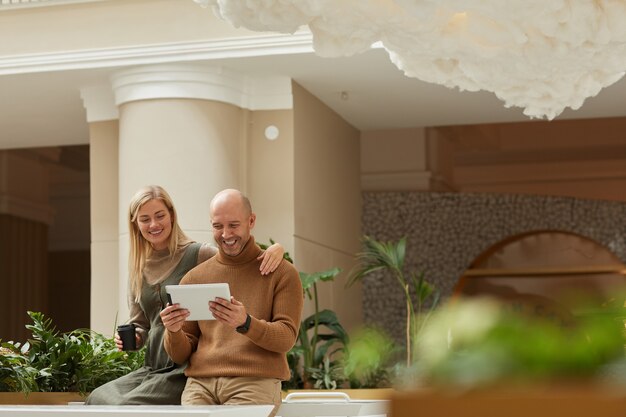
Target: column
[185,127]
[102,115]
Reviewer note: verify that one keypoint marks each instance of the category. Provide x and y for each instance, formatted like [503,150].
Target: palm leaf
[378,256]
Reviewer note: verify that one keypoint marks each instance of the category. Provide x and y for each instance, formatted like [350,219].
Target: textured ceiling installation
[540,55]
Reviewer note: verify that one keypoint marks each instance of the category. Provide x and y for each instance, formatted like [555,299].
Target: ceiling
[45,108]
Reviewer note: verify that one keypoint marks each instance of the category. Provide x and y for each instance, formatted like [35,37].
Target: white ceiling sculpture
[540,55]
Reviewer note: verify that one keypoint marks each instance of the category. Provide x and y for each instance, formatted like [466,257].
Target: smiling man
[239,358]
[232,220]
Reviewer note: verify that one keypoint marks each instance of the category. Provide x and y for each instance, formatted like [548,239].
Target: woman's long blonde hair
[140,249]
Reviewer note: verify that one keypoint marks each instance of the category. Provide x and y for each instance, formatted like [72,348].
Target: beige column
[103,153]
[102,115]
[183,127]
[327,202]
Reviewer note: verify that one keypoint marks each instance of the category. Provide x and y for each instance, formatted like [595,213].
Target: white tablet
[196,297]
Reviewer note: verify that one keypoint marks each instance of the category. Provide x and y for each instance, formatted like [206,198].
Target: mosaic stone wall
[447,231]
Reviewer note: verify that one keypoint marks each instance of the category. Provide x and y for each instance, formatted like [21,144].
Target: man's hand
[232,313]
[173,317]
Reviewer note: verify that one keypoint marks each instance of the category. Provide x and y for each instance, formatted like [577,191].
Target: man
[239,358]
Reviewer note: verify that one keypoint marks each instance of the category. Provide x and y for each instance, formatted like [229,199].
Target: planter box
[541,401]
[39,398]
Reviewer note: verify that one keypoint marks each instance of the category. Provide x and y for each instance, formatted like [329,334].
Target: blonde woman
[160,254]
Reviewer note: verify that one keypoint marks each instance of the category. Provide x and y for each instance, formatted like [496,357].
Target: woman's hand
[271,258]
[120,346]
[173,317]
[118,342]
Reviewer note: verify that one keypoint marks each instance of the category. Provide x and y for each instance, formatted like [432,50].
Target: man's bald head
[233,197]
[232,220]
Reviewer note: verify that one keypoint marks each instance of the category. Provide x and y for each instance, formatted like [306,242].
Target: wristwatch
[246,326]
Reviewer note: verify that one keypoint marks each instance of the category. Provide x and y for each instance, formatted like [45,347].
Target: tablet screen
[196,297]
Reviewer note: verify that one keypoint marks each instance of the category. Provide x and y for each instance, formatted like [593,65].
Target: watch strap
[246,326]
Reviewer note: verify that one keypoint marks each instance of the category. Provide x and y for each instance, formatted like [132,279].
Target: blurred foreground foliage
[477,342]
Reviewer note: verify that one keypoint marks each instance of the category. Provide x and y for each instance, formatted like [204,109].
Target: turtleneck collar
[250,252]
[160,263]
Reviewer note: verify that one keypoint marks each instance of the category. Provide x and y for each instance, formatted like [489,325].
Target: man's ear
[252,220]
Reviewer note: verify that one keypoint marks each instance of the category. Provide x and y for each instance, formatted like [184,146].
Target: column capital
[99,103]
[198,81]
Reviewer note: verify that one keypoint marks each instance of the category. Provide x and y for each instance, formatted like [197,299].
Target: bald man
[239,358]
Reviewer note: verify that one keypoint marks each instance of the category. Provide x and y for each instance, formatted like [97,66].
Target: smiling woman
[155,223]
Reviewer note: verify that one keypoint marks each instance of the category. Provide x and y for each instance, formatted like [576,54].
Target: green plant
[102,362]
[319,333]
[80,360]
[311,359]
[477,342]
[328,376]
[368,358]
[16,374]
[389,256]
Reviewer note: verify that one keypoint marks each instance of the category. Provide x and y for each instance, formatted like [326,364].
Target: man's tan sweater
[273,301]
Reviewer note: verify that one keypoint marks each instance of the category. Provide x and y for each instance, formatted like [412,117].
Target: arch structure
[451,233]
[551,273]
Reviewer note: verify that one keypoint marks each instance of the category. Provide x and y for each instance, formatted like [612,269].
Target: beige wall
[327,200]
[575,158]
[109,24]
[103,157]
[405,159]
[393,150]
[270,176]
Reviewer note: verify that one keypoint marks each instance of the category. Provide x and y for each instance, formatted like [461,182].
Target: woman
[160,255]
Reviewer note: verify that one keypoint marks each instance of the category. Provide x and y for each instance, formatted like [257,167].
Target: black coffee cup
[127,334]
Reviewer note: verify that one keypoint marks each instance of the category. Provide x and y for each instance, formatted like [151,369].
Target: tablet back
[196,297]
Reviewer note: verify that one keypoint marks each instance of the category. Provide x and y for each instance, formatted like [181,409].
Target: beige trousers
[232,390]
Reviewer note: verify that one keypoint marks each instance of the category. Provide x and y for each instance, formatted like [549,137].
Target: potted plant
[72,363]
[368,359]
[389,257]
[321,336]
